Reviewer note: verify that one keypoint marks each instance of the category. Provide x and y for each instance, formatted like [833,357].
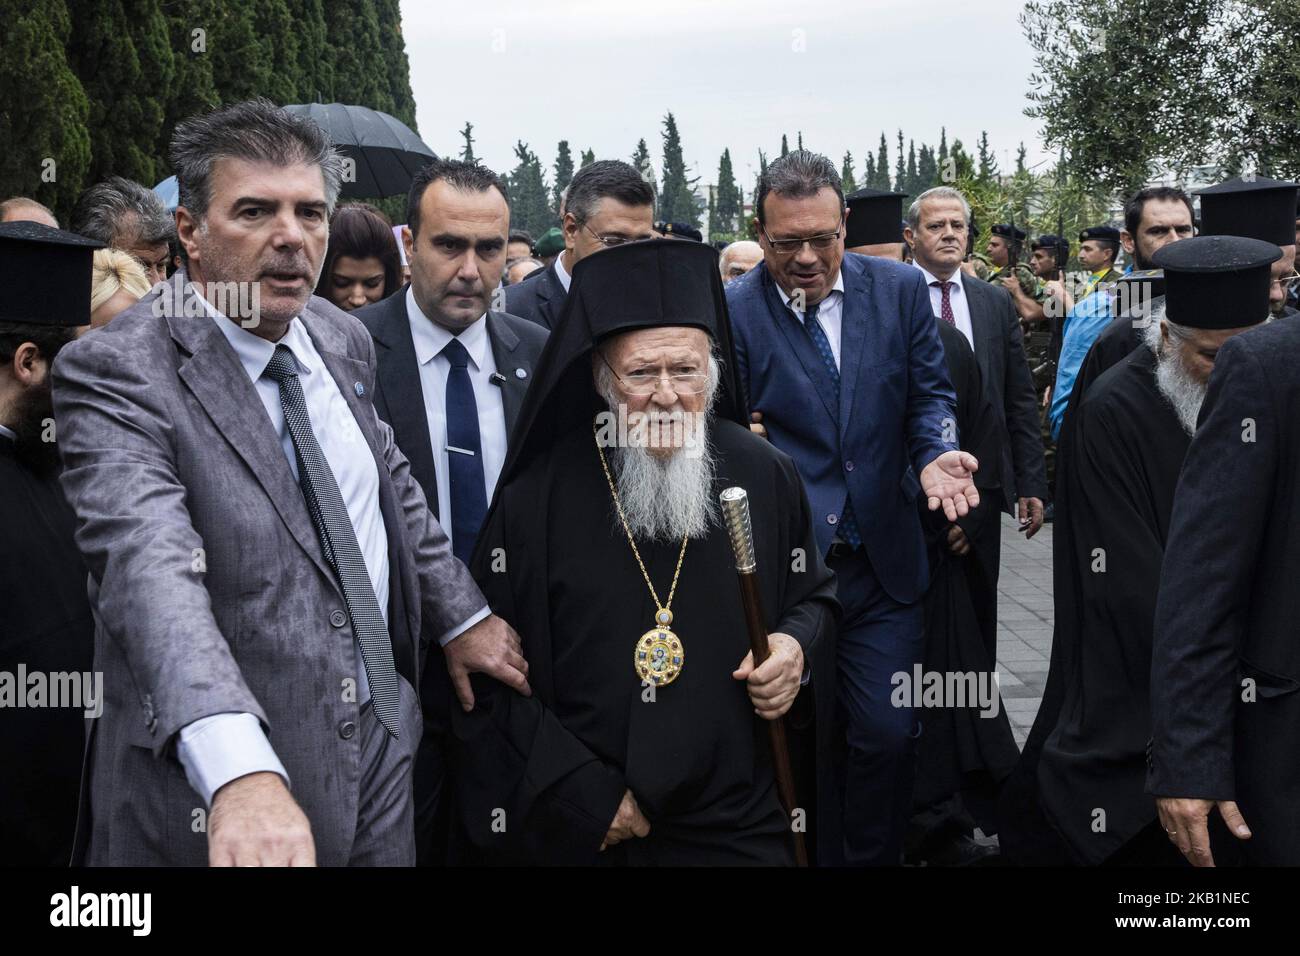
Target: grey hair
[257,131]
[120,212]
[797,175]
[936,192]
[1158,317]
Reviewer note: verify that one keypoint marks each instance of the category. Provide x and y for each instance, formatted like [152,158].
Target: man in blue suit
[841,358]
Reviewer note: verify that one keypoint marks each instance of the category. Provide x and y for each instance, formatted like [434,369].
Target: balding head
[738,258]
[22,209]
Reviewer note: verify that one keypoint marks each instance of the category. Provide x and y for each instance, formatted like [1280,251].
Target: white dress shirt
[564,277]
[430,339]
[956,299]
[830,313]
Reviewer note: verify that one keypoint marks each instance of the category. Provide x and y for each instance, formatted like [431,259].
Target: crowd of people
[378,544]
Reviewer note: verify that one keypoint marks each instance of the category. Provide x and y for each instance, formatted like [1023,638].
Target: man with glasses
[607,204]
[841,357]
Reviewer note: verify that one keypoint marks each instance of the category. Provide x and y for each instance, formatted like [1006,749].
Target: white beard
[666,498]
[1182,391]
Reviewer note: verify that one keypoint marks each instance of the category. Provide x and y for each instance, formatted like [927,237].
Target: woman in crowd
[362,264]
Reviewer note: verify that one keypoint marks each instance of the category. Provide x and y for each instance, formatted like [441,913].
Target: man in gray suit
[265,572]
[451,379]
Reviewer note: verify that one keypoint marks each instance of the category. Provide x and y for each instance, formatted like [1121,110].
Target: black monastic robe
[46,626]
[539,778]
[1128,447]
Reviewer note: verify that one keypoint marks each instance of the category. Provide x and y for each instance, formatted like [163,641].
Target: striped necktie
[338,541]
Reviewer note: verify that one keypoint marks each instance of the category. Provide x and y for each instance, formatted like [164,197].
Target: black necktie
[338,541]
[464,454]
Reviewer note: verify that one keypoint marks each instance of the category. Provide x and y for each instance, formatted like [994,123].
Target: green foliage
[563,175]
[588,157]
[848,181]
[677,200]
[43,107]
[1130,87]
[467,153]
[727,207]
[881,180]
[530,206]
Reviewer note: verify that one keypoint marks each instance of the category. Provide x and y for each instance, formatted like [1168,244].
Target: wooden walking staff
[735,514]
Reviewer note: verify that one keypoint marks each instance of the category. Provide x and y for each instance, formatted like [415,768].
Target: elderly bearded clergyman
[645,742]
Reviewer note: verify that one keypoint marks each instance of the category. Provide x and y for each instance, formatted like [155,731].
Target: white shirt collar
[955,278]
[253,351]
[837,287]
[564,277]
[430,338]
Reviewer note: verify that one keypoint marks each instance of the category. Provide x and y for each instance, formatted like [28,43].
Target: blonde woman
[117,281]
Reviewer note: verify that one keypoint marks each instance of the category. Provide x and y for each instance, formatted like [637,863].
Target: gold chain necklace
[659,655]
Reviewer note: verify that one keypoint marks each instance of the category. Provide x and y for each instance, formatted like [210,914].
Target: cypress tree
[847,180]
[882,165]
[563,174]
[785,146]
[42,124]
[724,222]
[900,169]
[467,154]
[588,157]
[912,181]
[530,207]
[121,52]
[677,201]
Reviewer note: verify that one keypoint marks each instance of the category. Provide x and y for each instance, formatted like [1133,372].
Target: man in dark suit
[451,378]
[841,357]
[986,315]
[607,204]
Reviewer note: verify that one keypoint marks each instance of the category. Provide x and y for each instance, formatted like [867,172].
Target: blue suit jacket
[895,412]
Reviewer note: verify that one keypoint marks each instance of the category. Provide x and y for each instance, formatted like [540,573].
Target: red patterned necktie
[945,307]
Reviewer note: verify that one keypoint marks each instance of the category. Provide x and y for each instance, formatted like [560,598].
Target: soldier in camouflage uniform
[1047,261]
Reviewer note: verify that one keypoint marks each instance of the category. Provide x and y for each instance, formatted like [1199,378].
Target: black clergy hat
[875,218]
[678,230]
[46,275]
[1257,209]
[1217,282]
[1007,231]
[1100,234]
[638,285]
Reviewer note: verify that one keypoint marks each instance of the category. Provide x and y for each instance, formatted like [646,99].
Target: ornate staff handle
[735,513]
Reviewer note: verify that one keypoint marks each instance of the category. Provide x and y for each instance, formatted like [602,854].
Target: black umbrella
[386,153]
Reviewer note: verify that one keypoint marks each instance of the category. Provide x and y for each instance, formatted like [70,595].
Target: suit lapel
[981,323]
[549,292]
[854,325]
[399,373]
[218,381]
[504,341]
[788,323]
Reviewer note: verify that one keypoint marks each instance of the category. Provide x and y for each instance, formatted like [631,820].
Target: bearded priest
[646,740]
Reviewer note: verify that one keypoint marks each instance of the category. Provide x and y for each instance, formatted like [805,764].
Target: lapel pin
[361,389]
[521,373]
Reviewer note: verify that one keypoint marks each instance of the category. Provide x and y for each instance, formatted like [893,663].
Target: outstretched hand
[948,481]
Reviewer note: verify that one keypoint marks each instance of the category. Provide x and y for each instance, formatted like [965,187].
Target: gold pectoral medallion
[660,654]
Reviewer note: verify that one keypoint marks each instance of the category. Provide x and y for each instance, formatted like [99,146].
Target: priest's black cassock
[45,626]
[1127,448]
[961,752]
[539,779]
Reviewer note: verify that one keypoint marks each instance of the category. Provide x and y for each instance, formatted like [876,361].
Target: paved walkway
[1024,623]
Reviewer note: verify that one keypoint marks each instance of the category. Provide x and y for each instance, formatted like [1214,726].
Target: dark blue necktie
[338,540]
[464,454]
[848,523]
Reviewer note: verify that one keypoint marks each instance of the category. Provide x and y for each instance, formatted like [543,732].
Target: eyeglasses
[642,384]
[609,242]
[788,247]
[1285,281]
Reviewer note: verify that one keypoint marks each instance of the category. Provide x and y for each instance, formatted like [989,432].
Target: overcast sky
[602,74]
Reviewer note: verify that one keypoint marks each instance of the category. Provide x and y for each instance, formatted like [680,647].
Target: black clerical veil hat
[638,285]
[46,275]
[1217,282]
[875,218]
[1257,208]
